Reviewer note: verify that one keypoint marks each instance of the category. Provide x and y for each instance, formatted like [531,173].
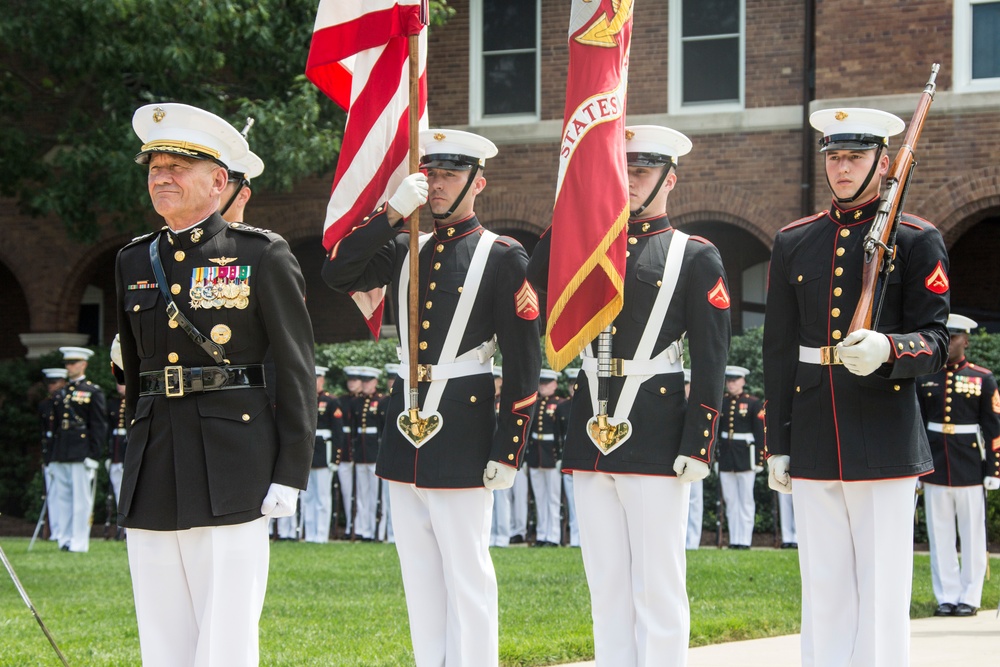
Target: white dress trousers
[519,503]
[385,532]
[786,511]
[442,538]
[546,483]
[73,501]
[55,519]
[317,505]
[856,564]
[500,528]
[345,475]
[199,593]
[737,491]
[367,500]
[574,527]
[115,472]
[965,506]
[632,530]
[696,513]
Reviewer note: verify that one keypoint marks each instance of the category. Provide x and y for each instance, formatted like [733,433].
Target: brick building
[740,77]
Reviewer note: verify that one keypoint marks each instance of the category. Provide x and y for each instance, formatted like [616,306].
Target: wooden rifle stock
[881,238]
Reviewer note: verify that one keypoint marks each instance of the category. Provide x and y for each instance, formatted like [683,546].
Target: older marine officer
[199,304]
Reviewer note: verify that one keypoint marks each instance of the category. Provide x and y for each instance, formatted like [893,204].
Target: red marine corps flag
[359,58]
[586,274]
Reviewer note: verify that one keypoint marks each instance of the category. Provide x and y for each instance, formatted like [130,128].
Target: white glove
[332,467]
[863,351]
[920,485]
[90,464]
[116,352]
[410,194]
[559,465]
[991,483]
[107,464]
[279,501]
[498,476]
[689,469]
[778,478]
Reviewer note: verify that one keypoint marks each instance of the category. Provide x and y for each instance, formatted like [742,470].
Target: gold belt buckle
[424,372]
[617,367]
[829,356]
[173,380]
[948,429]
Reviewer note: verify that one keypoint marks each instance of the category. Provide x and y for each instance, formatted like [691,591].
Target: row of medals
[220,295]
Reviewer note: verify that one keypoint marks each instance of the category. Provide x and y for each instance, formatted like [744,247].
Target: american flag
[359,58]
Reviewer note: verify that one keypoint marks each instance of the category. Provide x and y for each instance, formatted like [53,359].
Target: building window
[707,48]
[503,71]
[976,46]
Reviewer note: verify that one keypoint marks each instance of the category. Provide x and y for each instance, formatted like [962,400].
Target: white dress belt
[662,363]
[545,437]
[368,430]
[938,427]
[324,433]
[745,437]
[118,431]
[821,356]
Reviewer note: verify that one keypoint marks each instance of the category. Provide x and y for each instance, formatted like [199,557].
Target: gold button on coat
[837,291]
[172,357]
[836,334]
[246,417]
[175,289]
[179,256]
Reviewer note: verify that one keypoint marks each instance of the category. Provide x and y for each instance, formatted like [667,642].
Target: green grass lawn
[342,604]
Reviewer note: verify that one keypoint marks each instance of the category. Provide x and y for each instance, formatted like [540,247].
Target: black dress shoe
[964,610]
[789,545]
[517,539]
[945,609]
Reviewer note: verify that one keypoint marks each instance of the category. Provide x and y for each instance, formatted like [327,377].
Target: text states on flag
[586,276]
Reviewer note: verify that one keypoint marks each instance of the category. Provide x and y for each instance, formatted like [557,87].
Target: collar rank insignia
[221,261]
[196,234]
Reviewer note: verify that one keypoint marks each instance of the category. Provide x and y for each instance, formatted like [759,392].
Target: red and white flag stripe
[359,57]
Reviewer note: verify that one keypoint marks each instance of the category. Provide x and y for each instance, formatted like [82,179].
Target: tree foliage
[73,72]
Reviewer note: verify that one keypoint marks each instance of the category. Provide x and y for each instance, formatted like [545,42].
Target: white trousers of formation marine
[500,528]
[546,483]
[442,538]
[786,511]
[632,534]
[737,491]
[366,497]
[345,475]
[574,526]
[519,504]
[73,500]
[199,593]
[317,505]
[946,505]
[696,514]
[856,564]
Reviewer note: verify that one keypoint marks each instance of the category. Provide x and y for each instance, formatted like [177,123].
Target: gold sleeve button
[510,457]
[246,417]
[517,439]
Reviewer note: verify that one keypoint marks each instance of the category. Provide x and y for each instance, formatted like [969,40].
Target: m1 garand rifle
[880,242]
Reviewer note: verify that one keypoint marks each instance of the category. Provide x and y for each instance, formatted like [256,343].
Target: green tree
[73,71]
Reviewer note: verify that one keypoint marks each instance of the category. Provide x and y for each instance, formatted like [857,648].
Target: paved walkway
[935,642]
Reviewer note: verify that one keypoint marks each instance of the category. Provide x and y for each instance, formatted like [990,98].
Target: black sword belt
[176,381]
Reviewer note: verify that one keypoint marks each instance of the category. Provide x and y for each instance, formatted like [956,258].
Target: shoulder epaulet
[240,227]
[804,221]
[915,221]
[981,369]
[702,239]
[144,237]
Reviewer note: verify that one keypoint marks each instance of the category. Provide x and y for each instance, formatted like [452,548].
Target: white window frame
[675,85]
[476,90]
[961,42]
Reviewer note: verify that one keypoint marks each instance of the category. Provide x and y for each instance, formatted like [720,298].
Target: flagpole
[413,309]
